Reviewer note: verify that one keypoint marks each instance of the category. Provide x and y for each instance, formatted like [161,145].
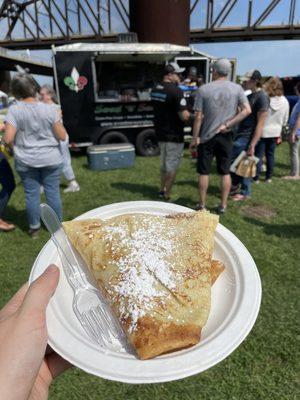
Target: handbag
[246,168]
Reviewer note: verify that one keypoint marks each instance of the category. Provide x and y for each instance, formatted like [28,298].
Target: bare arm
[261,119]
[196,129]
[10,133]
[292,137]
[244,111]
[242,114]
[184,115]
[59,131]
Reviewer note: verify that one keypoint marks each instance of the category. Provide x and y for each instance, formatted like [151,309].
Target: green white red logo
[75,82]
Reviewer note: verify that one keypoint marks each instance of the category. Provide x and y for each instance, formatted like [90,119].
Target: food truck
[105,89]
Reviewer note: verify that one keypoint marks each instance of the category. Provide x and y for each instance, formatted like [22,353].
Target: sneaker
[256,181]
[72,187]
[161,194]
[269,180]
[220,210]
[240,197]
[200,207]
[34,233]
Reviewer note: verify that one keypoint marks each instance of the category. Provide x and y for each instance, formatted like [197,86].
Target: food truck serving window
[126,80]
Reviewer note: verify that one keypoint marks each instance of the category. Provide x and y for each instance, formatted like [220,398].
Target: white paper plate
[236,297]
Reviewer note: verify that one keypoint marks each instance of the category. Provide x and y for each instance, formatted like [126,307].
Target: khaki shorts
[170,156]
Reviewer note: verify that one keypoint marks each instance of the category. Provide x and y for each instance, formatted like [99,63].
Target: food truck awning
[119,51]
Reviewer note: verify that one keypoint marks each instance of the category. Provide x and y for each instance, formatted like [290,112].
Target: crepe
[217,267]
[155,271]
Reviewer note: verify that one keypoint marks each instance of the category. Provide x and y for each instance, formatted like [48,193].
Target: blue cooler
[111,156]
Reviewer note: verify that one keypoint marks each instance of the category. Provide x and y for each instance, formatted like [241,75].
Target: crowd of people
[227,118]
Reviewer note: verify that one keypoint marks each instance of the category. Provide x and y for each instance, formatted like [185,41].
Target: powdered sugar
[146,275]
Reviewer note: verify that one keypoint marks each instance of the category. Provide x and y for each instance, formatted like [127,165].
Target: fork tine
[104,314]
[114,326]
[90,329]
[98,320]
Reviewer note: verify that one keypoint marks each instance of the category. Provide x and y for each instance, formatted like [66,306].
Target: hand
[194,143]
[251,149]
[223,129]
[26,368]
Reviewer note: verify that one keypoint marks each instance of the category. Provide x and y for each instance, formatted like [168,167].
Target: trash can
[111,156]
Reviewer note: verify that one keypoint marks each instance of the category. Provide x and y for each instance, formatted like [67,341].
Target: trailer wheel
[146,143]
[113,137]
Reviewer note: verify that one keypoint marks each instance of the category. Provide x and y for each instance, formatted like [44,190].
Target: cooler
[111,156]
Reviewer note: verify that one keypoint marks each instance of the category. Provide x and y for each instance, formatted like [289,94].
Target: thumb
[40,291]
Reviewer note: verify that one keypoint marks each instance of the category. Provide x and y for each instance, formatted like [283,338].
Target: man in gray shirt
[219,106]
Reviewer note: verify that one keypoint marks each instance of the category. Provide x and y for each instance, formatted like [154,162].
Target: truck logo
[75,82]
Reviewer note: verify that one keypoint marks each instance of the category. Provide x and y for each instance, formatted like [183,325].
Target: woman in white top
[278,115]
[35,130]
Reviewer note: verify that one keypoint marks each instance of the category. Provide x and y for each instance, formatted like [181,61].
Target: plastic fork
[91,308]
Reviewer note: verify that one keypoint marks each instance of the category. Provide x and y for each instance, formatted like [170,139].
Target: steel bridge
[40,23]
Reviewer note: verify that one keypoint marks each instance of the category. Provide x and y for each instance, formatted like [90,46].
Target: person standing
[48,96]
[294,138]
[35,129]
[7,182]
[249,131]
[278,115]
[219,106]
[170,113]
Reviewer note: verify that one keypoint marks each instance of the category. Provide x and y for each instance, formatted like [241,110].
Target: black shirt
[259,101]
[168,100]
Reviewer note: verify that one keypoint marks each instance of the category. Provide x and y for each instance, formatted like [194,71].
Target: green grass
[265,364]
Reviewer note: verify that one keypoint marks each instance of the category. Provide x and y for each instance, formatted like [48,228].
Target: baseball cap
[254,74]
[222,66]
[173,68]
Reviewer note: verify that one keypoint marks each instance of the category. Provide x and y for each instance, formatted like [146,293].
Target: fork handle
[75,277]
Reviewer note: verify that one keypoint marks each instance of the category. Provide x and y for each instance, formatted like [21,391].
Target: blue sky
[281,58]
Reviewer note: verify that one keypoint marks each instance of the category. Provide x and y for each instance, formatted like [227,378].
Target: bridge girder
[41,23]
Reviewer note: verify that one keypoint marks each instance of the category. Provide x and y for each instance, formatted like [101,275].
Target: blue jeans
[7,182]
[266,146]
[32,179]
[239,145]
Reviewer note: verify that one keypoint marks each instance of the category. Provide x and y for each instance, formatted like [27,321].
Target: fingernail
[52,269]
